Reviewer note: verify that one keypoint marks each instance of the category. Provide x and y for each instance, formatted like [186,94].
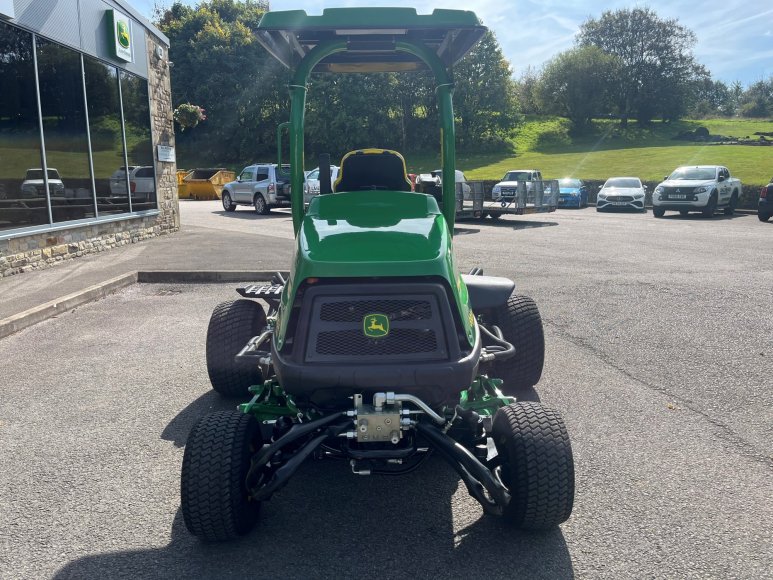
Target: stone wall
[42,250]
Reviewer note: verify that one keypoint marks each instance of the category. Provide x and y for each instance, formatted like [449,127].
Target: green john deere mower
[375,349]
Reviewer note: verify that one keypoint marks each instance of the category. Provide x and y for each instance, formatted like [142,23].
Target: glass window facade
[86,122]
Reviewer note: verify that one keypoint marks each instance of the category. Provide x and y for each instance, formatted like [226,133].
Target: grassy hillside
[607,150]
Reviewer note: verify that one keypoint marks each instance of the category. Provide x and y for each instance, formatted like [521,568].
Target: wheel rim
[226,201]
[259,203]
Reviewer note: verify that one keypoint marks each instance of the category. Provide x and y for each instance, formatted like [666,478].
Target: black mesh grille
[395,310]
[414,327]
[353,343]
[619,198]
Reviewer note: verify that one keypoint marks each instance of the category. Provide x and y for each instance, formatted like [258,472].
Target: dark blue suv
[765,208]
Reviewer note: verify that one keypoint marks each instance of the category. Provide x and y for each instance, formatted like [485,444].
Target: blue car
[572,193]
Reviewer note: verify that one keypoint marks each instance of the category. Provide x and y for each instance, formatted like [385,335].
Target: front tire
[658,212]
[228,204]
[711,206]
[213,494]
[261,207]
[730,209]
[231,326]
[521,325]
[537,465]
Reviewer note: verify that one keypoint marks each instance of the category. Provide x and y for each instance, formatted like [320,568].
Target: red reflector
[764,193]
[133,185]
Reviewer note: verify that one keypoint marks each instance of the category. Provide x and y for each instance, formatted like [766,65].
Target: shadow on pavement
[699,217]
[328,523]
[465,231]
[246,213]
[517,224]
[178,428]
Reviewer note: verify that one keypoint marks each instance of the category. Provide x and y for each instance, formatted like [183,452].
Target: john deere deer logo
[123,34]
[375,325]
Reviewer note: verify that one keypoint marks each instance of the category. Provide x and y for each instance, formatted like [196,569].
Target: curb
[61,305]
[204,276]
[56,307]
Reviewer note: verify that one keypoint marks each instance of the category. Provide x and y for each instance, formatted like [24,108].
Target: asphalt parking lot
[659,345]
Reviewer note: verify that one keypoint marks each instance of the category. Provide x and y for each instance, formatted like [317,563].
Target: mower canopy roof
[371,35]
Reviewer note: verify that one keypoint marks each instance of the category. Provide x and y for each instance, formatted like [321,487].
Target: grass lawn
[608,150]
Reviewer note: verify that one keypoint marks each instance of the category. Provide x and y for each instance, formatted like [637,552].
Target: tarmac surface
[659,344]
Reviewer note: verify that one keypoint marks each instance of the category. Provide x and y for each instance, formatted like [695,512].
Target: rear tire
[683,212]
[261,207]
[658,212]
[537,465]
[231,326]
[228,204]
[763,217]
[495,216]
[521,325]
[213,494]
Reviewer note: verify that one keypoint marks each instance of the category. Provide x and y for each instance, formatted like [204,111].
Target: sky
[735,37]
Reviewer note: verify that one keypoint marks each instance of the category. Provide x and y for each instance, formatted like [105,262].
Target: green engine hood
[377,233]
[369,234]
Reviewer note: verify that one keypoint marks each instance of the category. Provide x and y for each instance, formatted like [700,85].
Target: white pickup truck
[703,188]
[522,191]
[509,184]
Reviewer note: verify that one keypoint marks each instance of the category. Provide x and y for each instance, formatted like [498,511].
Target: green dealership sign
[120,35]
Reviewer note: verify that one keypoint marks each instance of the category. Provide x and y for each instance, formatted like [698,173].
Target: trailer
[524,198]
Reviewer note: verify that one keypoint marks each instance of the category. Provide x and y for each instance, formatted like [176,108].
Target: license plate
[673,196]
[619,203]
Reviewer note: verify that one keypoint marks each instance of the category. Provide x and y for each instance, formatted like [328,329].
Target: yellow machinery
[203,183]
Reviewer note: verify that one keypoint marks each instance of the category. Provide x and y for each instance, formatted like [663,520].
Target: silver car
[311,185]
[621,193]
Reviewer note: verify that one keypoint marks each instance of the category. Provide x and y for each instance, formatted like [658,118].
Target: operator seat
[367,169]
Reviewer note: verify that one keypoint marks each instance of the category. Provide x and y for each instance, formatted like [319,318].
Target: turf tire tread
[538,466]
[231,326]
[521,324]
[215,464]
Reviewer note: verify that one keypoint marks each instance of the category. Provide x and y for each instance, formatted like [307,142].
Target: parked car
[311,184]
[433,182]
[621,193]
[142,182]
[262,185]
[34,186]
[507,188]
[703,188]
[572,193]
[765,207]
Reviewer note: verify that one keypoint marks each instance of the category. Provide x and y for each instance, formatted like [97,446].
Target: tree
[655,59]
[757,100]
[221,67]
[577,84]
[526,91]
[485,105]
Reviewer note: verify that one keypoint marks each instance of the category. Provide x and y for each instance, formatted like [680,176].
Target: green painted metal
[369,18]
[297,114]
[290,35]
[484,396]
[373,234]
[279,130]
[269,402]
[447,133]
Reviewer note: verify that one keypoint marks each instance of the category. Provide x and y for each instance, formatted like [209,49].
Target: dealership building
[87,159]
